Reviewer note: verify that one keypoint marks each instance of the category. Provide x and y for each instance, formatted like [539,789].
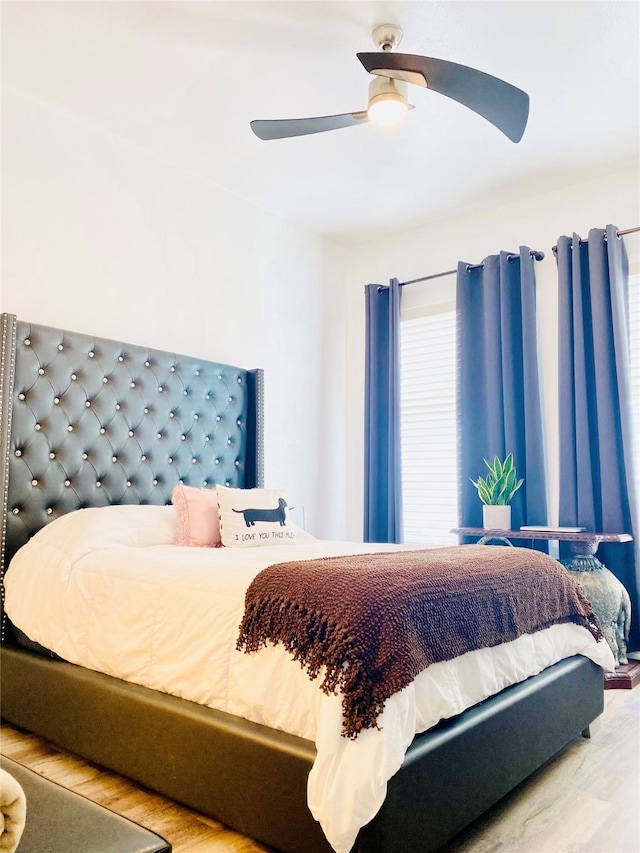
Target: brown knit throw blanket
[374,621]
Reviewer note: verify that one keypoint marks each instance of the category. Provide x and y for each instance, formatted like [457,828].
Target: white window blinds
[428,425]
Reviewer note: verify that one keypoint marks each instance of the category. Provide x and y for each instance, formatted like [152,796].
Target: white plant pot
[496,517]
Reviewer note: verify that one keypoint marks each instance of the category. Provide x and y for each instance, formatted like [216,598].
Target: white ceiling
[182,80]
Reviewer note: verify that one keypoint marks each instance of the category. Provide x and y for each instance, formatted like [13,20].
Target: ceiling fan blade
[282,128]
[500,103]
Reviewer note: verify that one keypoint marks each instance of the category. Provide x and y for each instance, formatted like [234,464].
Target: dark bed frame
[89,422]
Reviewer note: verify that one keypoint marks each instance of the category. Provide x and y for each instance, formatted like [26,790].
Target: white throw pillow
[81,531]
[254,517]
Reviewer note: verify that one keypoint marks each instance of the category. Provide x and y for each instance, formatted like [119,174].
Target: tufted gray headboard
[86,421]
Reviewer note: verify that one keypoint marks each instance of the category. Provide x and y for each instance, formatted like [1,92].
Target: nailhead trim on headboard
[96,422]
[7,364]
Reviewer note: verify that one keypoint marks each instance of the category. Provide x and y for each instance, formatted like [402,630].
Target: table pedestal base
[606,594]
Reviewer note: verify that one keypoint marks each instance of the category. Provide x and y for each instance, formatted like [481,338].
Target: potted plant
[496,491]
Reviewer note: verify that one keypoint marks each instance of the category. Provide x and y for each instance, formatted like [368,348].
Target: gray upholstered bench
[60,821]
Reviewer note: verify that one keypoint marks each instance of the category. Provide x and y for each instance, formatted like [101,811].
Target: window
[428,416]
[428,424]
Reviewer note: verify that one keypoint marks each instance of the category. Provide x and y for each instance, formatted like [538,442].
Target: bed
[89,423]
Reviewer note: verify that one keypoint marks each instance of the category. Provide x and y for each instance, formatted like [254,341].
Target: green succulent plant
[501,484]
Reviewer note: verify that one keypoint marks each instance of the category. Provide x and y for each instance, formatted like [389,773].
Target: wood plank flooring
[586,800]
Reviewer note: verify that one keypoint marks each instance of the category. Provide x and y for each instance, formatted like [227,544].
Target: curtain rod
[533,252]
[537,255]
[619,233]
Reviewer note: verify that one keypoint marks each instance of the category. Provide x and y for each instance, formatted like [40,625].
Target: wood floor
[586,800]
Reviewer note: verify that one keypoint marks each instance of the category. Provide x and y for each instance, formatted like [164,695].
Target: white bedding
[106,589]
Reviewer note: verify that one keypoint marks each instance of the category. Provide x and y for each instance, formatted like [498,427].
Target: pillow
[251,517]
[14,811]
[197,522]
[81,531]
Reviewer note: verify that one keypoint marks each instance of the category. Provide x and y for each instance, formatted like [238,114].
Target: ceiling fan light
[387,101]
[387,109]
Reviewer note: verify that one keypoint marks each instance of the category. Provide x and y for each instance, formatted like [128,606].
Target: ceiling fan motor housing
[386,88]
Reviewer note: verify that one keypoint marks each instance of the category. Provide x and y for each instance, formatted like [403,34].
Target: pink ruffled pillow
[197,519]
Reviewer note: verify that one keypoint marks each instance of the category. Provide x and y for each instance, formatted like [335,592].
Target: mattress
[108,590]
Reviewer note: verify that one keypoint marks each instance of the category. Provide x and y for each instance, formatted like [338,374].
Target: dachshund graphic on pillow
[272,515]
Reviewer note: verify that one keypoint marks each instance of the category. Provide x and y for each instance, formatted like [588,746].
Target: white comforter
[106,589]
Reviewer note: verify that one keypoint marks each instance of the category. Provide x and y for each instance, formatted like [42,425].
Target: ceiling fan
[500,103]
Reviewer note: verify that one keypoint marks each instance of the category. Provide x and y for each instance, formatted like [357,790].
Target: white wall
[537,220]
[103,238]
